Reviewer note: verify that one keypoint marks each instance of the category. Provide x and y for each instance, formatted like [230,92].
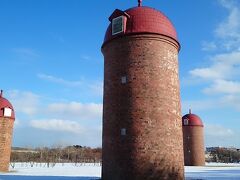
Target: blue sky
[52,66]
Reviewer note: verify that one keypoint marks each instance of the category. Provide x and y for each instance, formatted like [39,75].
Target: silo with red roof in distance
[193,140]
[7,117]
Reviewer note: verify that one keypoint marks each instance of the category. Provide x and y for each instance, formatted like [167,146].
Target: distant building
[193,140]
[7,118]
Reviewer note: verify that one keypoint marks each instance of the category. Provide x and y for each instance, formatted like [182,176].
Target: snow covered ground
[217,171]
[66,171]
[69,171]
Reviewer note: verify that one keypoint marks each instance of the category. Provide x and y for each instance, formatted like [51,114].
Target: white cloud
[229,30]
[225,101]
[57,132]
[97,88]
[85,57]
[17,123]
[223,86]
[224,66]
[222,75]
[209,46]
[94,87]
[216,130]
[57,37]
[230,59]
[57,125]
[218,135]
[60,80]
[230,27]
[227,3]
[51,123]
[26,52]
[90,111]
[207,73]
[199,105]
[30,104]
[24,102]
[232,101]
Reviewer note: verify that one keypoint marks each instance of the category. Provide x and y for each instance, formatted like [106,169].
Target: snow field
[88,171]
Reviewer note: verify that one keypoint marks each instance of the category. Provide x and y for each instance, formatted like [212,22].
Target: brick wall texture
[146,107]
[6,128]
[193,140]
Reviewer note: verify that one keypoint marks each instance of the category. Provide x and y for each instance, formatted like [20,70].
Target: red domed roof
[191,120]
[142,20]
[4,103]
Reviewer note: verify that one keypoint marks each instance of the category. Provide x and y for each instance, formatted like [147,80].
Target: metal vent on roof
[117,25]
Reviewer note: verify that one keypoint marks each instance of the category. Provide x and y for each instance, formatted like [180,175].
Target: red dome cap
[4,103]
[191,120]
[140,20]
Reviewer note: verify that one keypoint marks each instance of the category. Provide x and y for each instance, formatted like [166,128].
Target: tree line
[225,155]
[81,154]
[69,154]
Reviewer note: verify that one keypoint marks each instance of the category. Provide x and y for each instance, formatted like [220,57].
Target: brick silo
[142,130]
[193,140]
[7,118]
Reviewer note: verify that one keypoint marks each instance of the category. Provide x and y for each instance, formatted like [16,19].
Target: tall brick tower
[7,118]
[193,140]
[142,130]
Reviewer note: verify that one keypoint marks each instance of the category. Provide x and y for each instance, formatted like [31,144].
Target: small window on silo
[123,131]
[117,25]
[7,112]
[124,79]
[185,122]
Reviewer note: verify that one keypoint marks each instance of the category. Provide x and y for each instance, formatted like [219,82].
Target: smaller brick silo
[193,140]
[7,118]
